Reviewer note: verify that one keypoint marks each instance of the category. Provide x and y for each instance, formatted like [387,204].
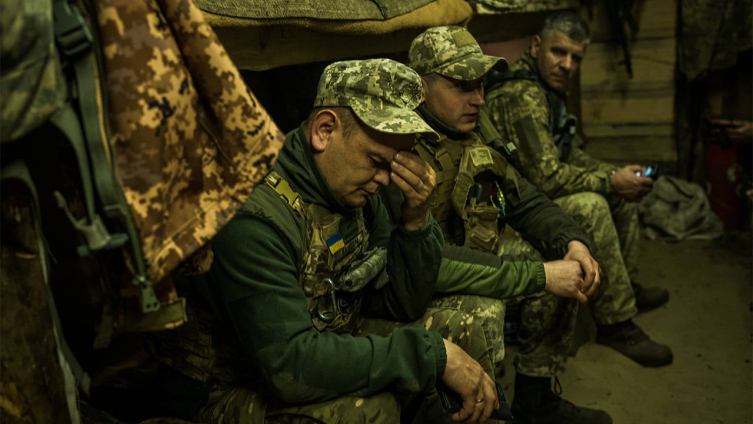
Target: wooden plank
[653,63]
[651,109]
[643,150]
[628,129]
[656,19]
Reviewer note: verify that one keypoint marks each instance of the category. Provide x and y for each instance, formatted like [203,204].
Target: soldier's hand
[565,279]
[468,379]
[630,186]
[578,251]
[416,179]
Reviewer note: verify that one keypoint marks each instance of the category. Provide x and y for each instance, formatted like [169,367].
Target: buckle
[71,31]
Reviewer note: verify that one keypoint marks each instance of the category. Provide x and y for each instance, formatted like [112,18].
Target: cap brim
[395,120]
[473,67]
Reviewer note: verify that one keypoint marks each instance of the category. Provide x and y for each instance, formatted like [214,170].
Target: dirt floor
[707,323]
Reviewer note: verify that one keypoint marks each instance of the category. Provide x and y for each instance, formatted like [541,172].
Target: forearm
[466,271]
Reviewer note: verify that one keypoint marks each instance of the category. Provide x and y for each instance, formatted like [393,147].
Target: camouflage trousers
[613,227]
[545,322]
[243,405]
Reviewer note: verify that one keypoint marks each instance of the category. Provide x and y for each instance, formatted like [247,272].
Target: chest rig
[468,202]
[334,244]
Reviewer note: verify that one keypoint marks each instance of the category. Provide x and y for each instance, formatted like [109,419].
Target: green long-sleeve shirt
[519,110]
[255,279]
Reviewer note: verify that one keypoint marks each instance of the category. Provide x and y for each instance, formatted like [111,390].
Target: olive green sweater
[255,277]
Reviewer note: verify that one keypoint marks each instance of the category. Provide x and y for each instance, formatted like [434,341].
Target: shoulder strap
[76,44]
[281,187]
[495,79]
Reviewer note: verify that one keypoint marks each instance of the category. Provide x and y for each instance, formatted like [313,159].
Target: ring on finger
[480,401]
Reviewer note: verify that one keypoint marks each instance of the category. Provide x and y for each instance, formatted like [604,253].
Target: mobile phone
[651,172]
[452,402]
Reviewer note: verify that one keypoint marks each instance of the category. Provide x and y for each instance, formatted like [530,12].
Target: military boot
[647,299]
[536,403]
[628,339]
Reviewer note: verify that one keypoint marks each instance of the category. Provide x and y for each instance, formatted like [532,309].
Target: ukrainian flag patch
[335,243]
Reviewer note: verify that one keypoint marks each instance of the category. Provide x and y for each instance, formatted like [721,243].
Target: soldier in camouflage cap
[298,346]
[382,93]
[478,195]
[453,52]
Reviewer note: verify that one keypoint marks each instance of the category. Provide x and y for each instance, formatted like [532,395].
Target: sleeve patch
[528,139]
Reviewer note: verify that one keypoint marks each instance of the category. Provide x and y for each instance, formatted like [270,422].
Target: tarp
[312,9]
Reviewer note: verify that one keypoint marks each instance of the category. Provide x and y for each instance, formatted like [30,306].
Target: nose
[567,63]
[382,177]
[477,98]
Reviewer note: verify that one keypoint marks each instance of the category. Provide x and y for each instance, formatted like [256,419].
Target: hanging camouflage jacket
[270,285]
[520,111]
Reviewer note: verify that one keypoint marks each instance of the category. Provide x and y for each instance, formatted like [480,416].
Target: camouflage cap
[382,93]
[453,52]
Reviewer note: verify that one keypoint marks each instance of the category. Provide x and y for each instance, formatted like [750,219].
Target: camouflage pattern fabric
[382,92]
[711,34]
[189,140]
[453,52]
[546,322]
[32,86]
[244,406]
[615,301]
[489,7]
[519,110]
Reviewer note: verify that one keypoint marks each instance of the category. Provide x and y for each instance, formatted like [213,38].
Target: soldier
[271,336]
[478,193]
[527,105]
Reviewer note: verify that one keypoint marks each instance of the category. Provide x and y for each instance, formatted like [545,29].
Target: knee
[588,208]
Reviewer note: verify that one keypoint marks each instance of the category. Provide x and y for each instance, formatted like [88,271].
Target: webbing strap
[76,43]
[74,375]
[279,185]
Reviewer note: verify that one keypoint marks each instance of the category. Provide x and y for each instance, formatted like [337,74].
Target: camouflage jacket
[520,111]
[255,284]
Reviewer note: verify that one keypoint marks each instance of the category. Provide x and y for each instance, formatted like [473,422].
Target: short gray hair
[569,23]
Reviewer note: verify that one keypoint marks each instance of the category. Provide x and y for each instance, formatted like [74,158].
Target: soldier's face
[454,102]
[558,58]
[356,167]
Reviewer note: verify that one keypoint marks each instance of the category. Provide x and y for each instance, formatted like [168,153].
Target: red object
[723,173]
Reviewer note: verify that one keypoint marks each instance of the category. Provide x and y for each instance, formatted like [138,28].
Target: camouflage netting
[314,9]
[712,33]
[191,141]
[489,7]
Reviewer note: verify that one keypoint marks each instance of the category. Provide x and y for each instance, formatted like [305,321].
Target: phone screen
[649,171]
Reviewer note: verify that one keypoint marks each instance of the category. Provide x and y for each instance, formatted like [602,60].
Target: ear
[535,46]
[425,86]
[322,127]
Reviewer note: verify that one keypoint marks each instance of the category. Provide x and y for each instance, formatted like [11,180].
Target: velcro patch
[463,38]
[481,156]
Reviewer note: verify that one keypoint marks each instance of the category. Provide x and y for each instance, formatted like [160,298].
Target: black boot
[628,339]
[536,403]
[647,299]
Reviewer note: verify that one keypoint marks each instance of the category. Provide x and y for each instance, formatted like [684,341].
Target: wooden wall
[631,120]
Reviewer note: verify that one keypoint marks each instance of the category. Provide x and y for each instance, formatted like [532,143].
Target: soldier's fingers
[490,396]
[409,191]
[407,174]
[415,164]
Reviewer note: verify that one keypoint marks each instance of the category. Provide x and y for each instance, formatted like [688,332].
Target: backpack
[112,177]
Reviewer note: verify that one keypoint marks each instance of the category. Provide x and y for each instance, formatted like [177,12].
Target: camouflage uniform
[277,277]
[520,110]
[547,322]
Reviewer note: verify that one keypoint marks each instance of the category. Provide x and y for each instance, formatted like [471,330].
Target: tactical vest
[468,172]
[334,242]
[563,126]
[333,271]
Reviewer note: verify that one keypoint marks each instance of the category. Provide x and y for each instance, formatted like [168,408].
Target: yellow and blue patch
[335,243]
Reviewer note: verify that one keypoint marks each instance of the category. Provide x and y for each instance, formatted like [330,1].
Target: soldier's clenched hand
[416,179]
[564,279]
[630,186]
[467,378]
[578,251]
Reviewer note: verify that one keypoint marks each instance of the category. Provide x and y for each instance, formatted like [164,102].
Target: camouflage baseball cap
[453,52]
[382,93]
